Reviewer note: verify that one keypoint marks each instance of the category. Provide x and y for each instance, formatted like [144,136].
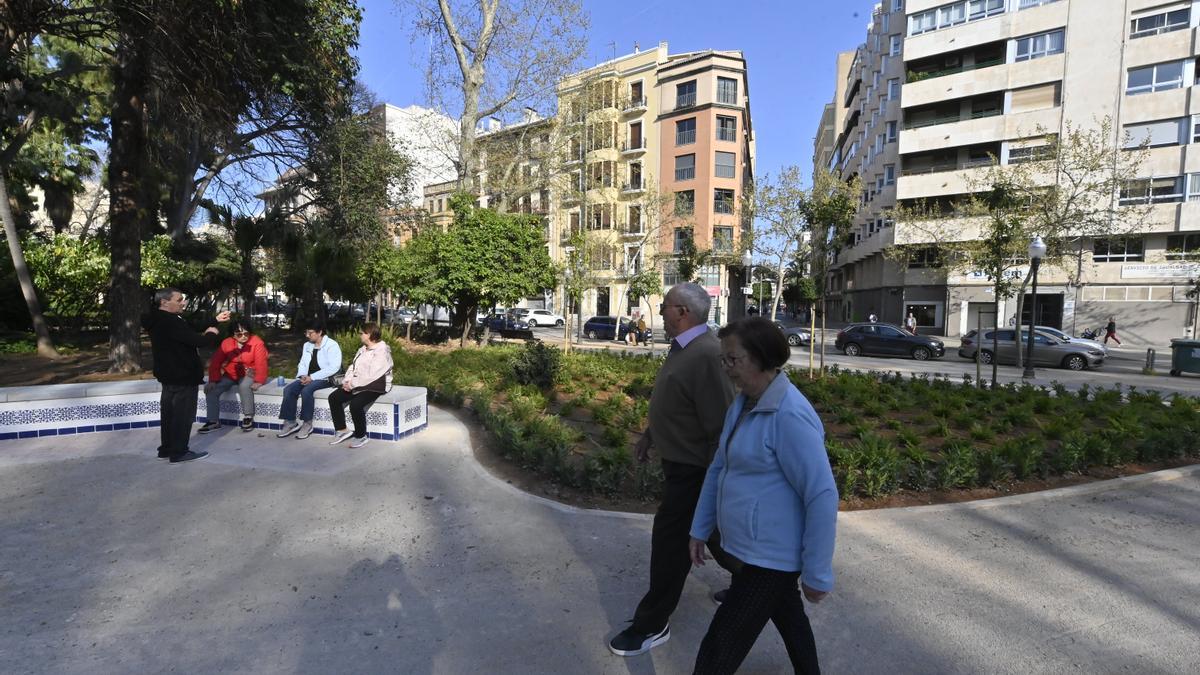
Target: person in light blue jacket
[771,493]
[320,360]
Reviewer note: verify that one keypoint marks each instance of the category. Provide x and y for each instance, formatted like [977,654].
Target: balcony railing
[685,174]
[918,75]
[685,137]
[635,103]
[950,119]
[632,186]
[685,100]
[943,167]
[633,145]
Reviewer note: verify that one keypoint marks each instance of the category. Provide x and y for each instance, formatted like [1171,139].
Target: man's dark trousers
[177,409]
[669,559]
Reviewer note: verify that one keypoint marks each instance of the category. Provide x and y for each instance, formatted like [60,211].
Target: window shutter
[1035,98]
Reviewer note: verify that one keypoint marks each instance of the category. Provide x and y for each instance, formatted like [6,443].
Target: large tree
[490,57]
[782,234]
[828,206]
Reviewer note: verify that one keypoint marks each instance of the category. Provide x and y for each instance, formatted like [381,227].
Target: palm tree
[249,233]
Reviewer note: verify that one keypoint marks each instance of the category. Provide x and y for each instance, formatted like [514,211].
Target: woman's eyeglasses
[239,333]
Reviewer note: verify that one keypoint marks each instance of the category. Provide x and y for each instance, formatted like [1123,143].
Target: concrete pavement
[283,556]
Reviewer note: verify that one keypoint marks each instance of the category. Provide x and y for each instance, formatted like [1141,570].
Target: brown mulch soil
[89,363]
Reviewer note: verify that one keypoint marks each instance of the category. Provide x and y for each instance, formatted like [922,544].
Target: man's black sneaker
[209,427]
[631,643]
[163,454]
[247,424]
[188,456]
[719,596]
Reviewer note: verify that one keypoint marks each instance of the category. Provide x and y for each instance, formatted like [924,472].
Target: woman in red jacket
[240,361]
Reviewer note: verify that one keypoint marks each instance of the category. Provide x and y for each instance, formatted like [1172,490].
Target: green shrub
[957,468]
[880,464]
[1024,455]
[993,466]
[536,364]
[605,471]
[1071,454]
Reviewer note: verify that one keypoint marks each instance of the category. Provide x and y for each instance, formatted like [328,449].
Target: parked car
[505,322]
[796,335]
[1077,340]
[1048,351]
[602,327]
[542,317]
[885,339]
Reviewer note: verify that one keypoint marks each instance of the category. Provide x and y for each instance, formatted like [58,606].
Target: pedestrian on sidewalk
[240,361]
[911,323]
[1110,331]
[178,368]
[689,400]
[776,504]
[872,317]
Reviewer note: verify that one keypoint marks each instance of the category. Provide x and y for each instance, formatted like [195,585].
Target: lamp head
[1037,249]
[747,259]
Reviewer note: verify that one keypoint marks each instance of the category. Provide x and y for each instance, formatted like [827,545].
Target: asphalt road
[1123,367]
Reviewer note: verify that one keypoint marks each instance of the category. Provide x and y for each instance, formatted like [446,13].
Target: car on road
[505,322]
[796,335]
[602,327]
[541,317]
[1048,350]
[885,339]
[1069,338]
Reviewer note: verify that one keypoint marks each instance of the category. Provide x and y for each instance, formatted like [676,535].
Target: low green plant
[1024,455]
[957,468]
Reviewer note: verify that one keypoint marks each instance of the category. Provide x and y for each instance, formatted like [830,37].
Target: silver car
[1048,351]
[1077,340]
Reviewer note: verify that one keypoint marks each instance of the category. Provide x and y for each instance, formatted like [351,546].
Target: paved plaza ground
[282,556]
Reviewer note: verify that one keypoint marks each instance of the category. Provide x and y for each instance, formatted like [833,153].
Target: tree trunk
[179,213]
[1017,321]
[995,341]
[466,130]
[823,313]
[45,346]
[248,285]
[126,176]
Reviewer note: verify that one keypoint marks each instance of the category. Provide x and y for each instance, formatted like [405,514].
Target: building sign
[1016,273]
[1179,270]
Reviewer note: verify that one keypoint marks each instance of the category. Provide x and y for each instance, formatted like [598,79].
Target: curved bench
[65,409]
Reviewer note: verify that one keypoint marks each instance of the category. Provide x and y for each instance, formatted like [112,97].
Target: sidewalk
[285,556]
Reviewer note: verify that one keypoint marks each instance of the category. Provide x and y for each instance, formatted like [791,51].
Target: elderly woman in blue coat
[771,493]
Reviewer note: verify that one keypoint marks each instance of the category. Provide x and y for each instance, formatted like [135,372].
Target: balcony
[633,229]
[951,118]
[634,104]
[634,146]
[685,100]
[943,167]
[633,187]
[920,75]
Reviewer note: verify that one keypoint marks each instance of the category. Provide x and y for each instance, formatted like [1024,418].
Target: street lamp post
[1037,249]
[747,262]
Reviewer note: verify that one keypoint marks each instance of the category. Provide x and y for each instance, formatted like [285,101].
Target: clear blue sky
[790,48]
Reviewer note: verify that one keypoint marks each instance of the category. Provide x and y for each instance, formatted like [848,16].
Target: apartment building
[973,81]
[659,150]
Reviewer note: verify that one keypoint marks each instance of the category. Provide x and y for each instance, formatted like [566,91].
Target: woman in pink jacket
[368,377]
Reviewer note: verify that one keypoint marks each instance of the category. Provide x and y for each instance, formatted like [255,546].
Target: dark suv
[885,339]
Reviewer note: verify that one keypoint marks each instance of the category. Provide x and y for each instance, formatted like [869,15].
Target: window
[1155,134]
[893,89]
[682,235]
[1041,97]
[1118,249]
[1037,46]
[636,99]
[894,46]
[600,217]
[1193,187]
[1196,128]
[880,140]
[685,202]
[723,200]
[634,219]
[924,257]
[727,90]
[635,176]
[574,222]
[685,131]
[723,239]
[726,128]
[726,165]
[889,174]
[1159,77]
[685,167]
[981,9]
[1183,246]
[685,94]
[1164,190]
[874,82]
[635,136]
[1160,22]
[922,23]
[1026,4]
[878,183]
[891,132]
[1029,153]
[953,15]
[897,5]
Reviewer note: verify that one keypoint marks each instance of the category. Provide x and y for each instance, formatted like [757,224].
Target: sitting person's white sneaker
[339,436]
[306,430]
[359,442]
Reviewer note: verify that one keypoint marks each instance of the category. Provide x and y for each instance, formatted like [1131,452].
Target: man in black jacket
[178,367]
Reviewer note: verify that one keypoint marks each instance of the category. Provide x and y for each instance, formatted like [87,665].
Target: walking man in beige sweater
[687,411]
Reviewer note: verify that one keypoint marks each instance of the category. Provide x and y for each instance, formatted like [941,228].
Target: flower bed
[884,433]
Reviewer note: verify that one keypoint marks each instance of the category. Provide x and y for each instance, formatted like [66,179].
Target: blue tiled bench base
[68,409]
